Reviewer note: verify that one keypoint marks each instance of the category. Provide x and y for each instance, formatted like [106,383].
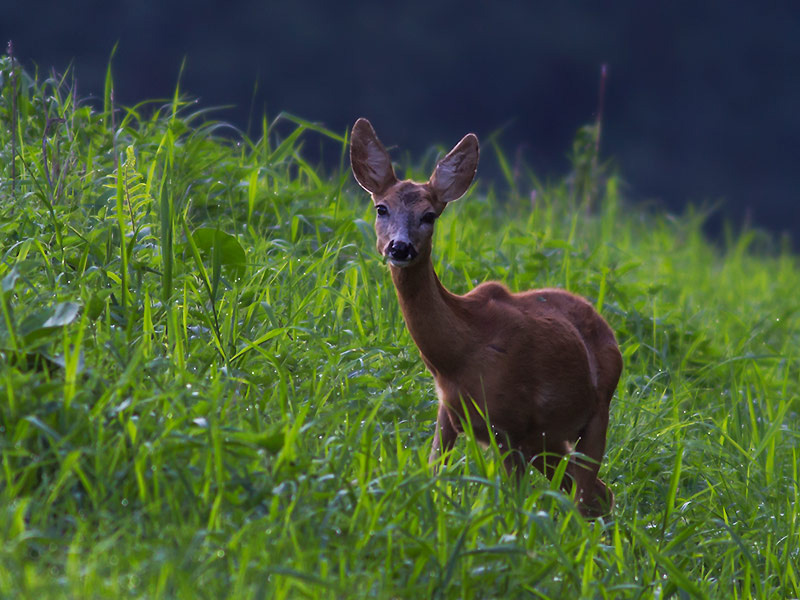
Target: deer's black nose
[400,251]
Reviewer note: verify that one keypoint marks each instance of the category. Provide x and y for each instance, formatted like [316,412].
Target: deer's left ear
[455,172]
[371,164]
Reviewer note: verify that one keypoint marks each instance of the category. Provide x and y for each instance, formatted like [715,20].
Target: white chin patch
[398,263]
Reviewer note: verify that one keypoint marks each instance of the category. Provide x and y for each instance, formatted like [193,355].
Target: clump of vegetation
[206,387]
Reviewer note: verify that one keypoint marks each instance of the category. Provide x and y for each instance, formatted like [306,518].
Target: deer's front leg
[444,437]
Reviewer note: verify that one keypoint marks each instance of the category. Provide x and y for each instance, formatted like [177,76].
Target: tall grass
[208,390]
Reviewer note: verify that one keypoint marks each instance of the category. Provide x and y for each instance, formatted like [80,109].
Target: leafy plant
[207,389]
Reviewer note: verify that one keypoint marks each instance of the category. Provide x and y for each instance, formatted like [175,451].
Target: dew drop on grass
[124,502]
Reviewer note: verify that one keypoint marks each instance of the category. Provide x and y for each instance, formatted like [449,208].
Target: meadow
[207,389]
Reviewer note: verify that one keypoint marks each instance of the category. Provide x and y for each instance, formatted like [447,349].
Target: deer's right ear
[371,164]
[455,172]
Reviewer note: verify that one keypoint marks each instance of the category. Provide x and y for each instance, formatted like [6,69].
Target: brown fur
[541,365]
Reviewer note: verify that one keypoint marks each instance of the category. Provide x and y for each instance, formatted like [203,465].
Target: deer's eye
[428,218]
[381,210]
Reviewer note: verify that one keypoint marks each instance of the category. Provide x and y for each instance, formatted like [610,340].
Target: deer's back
[541,312]
[538,360]
[601,343]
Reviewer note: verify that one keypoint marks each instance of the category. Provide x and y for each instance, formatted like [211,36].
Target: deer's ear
[455,172]
[371,164]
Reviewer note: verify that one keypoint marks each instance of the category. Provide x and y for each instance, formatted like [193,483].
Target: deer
[535,369]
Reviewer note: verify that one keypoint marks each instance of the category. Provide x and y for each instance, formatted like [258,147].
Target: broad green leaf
[230,252]
[10,280]
[44,321]
[64,313]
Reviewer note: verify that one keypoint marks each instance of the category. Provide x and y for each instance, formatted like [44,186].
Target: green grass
[207,389]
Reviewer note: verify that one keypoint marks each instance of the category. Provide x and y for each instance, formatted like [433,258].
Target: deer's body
[541,365]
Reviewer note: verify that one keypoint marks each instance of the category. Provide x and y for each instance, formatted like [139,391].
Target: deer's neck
[434,316]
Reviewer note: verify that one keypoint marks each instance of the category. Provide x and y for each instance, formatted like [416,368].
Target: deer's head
[406,210]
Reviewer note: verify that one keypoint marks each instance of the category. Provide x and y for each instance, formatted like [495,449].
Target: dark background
[702,102]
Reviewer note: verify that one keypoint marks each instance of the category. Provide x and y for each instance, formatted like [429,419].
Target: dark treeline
[701,101]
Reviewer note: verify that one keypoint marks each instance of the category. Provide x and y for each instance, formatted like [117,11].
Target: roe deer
[540,365]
